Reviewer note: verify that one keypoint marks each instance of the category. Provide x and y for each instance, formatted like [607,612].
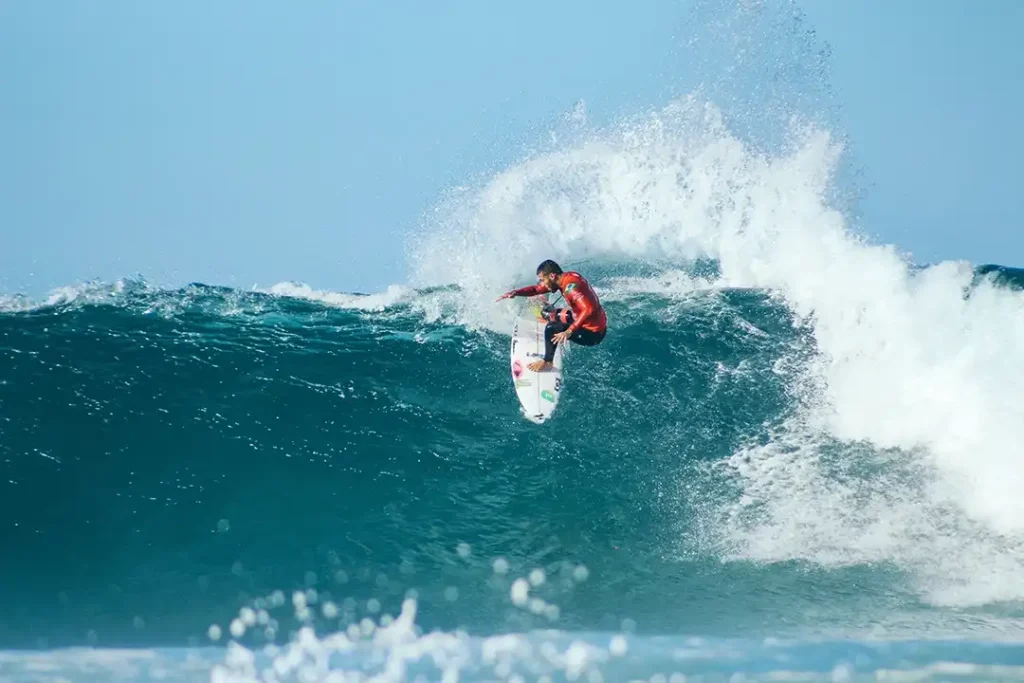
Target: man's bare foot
[541,366]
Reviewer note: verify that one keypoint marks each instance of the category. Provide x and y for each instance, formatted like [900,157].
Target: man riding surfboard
[583,323]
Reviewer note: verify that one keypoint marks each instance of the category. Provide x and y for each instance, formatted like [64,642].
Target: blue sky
[253,142]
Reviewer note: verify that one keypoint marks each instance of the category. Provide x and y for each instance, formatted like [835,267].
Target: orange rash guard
[586,307]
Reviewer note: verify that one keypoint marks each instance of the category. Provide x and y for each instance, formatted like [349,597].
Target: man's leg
[550,330]
[560,319]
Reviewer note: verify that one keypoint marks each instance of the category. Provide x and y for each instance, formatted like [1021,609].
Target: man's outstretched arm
[524,291]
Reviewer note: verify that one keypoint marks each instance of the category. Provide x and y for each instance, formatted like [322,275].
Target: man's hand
[506,295]
[561,337]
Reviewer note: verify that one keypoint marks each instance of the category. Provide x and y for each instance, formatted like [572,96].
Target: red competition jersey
[586,308]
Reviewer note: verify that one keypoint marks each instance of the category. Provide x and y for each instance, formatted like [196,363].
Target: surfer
[583,323]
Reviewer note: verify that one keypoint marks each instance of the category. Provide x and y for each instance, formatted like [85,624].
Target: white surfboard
[537,391]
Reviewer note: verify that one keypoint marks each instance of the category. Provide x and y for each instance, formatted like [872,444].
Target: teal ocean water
[342,483]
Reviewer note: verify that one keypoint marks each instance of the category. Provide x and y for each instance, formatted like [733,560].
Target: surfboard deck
[538,392]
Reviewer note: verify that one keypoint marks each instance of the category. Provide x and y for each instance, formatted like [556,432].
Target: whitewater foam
[905,359]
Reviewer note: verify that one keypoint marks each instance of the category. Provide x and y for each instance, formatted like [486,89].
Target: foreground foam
[590,657]
[394,650]
[387,648]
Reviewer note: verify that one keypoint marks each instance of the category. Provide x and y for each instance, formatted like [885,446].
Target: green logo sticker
[547,396]
[571,286]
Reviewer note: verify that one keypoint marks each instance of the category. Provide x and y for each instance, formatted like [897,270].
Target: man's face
[549,280]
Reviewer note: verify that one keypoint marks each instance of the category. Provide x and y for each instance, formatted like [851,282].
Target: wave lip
[393,295]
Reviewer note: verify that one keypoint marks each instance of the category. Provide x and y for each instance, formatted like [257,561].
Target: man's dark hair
[548,267]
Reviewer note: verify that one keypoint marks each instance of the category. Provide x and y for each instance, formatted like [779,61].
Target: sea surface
[206,481]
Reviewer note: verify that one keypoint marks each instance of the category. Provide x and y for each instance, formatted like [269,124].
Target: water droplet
[237,628]
[520,592]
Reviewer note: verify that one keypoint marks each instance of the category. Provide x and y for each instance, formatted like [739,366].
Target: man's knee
[553,328]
